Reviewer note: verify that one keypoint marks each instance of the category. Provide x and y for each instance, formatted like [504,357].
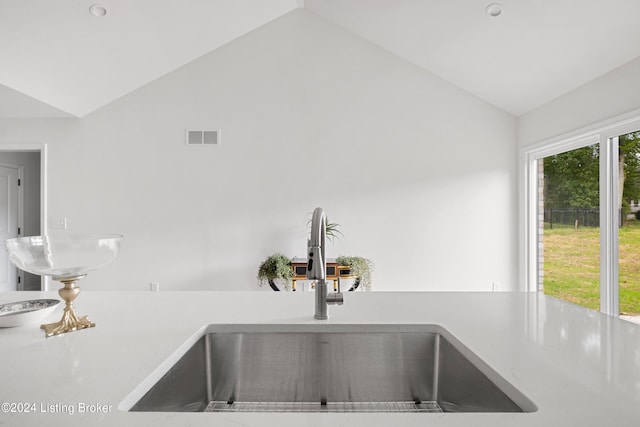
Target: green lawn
[572,270]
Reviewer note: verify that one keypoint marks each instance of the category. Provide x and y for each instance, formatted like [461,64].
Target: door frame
[42,149]
[19,170]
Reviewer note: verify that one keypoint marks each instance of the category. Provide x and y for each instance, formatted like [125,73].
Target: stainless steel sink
[327,368]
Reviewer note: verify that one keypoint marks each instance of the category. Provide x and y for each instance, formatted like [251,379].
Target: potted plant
[275,267]
[361,268]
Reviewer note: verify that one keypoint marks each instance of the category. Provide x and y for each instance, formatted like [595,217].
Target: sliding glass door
[570,225]
[583,222]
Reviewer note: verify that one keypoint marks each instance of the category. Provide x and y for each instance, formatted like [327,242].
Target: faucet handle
[315,267]
[336,298]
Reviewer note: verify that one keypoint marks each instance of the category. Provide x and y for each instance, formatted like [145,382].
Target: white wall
[419,173]
[611,95]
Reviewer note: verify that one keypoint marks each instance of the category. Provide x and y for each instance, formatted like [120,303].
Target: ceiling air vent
[203,137]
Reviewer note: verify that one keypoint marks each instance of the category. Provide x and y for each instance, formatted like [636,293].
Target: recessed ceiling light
[97,10]
[494,10]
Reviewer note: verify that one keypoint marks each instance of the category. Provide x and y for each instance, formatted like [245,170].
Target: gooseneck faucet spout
[317,261]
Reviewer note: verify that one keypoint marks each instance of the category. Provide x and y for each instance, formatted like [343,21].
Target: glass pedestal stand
[69,321]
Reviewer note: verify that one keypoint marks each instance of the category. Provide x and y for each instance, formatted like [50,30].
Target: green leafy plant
[332,229]
[361,267]
[276,266]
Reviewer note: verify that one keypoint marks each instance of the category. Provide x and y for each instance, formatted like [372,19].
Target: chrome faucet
[317,265]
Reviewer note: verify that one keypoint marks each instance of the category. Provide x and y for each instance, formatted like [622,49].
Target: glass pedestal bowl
[67,258]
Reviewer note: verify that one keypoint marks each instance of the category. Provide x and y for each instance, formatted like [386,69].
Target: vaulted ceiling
[59,60]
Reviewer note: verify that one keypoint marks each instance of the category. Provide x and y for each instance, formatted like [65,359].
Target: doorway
[22,208]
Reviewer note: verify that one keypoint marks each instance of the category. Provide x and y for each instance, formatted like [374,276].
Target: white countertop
[579,367]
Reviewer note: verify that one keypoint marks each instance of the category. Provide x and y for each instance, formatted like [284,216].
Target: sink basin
[325,368]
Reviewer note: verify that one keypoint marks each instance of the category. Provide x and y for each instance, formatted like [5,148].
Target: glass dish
[63,254]
[67,257]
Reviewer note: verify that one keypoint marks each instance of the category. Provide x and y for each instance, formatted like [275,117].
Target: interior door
[8,225]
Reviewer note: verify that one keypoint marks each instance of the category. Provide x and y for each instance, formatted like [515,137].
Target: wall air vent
[203,137]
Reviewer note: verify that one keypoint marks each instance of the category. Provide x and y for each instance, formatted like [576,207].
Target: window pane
[629,235]
[569,227]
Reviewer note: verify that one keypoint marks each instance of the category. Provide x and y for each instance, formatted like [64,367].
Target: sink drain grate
[223,406]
